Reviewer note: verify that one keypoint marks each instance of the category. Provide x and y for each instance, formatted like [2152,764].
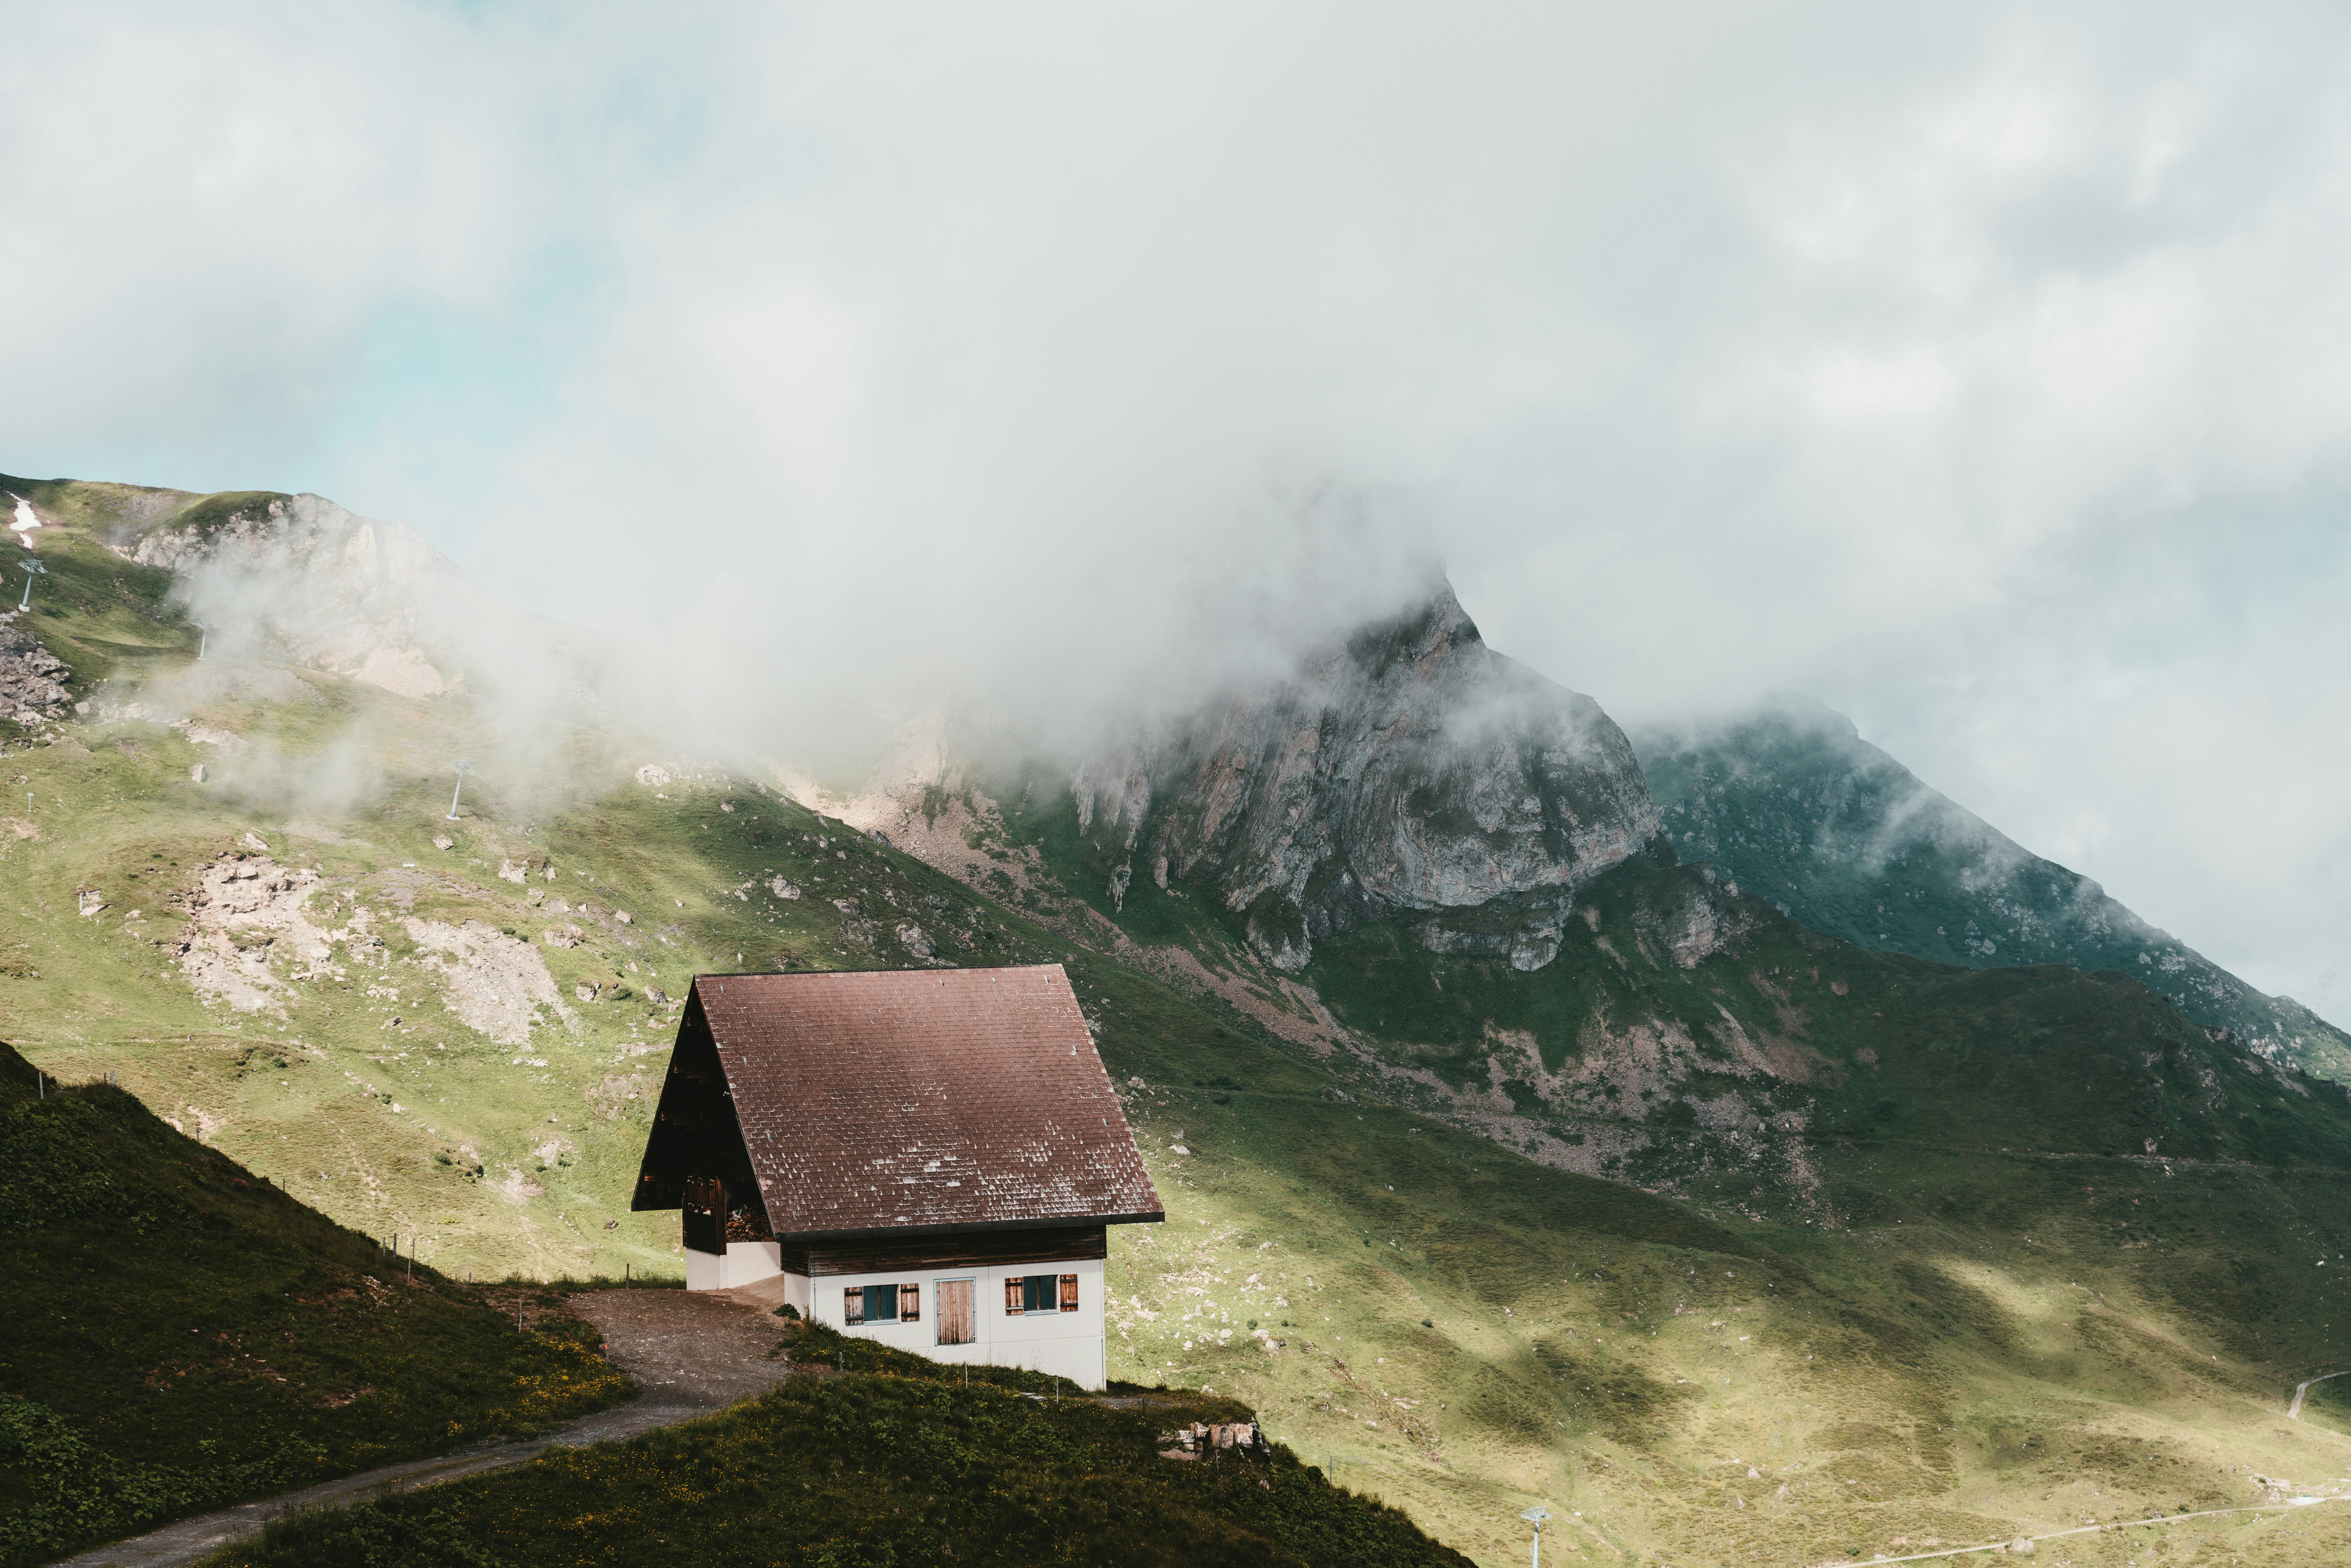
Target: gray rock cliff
[1409,773]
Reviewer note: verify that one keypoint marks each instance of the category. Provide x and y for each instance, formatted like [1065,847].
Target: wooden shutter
[951,1300]
[910,1303]
[1014,1286]
[1068,1292]
[852,1304]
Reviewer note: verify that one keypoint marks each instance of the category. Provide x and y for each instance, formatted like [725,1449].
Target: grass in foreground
[182,1335]
[876,1470]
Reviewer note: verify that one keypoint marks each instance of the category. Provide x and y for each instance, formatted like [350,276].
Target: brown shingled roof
[927,1098]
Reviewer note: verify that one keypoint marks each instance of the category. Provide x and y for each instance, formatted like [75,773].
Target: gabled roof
[933,1099]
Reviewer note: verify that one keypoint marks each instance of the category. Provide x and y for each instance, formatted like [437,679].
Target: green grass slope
[902,1466]
[1995,1205]
[182,1335]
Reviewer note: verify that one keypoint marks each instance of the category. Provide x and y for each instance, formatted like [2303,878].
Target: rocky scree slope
[1409,773]
[1693,1039]
[1792,804]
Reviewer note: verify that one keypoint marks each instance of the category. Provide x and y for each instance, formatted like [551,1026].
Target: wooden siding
[982,1250]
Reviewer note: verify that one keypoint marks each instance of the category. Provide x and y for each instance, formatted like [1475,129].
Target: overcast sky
[1985,370]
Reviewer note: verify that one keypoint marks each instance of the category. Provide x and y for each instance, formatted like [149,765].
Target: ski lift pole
[1536,1515]
[461,771]
[204,635]
[32,568]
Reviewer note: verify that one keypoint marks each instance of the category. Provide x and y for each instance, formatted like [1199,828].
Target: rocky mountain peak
[1406,771]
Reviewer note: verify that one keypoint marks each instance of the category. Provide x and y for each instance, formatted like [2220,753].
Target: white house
[929,1157]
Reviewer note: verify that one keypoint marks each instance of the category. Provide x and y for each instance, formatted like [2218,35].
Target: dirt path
[689,1353]
[2294,1411]
[2026,1543]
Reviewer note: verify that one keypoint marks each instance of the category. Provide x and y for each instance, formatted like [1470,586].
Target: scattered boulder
[1190,1442]
[910,937]
[443,841]
[513,872]
[247,911]
[783,889]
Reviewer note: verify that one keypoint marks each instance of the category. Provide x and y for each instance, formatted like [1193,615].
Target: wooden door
[706,1215]
[952,1307]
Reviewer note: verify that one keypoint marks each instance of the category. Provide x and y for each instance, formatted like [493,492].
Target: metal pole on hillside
[1537,1514]
[32,568]
[461,771]
[204,635]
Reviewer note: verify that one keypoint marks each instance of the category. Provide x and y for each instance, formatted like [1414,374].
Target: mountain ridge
[1793,803]
[1410,772]
[1889,1200]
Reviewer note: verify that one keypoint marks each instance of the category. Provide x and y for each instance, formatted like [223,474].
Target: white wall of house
[1066,1345]
[745,1263]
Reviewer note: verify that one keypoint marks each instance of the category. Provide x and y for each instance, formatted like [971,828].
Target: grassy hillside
[908,1466]
[182,1334]
[1949,1173]
[1946,1267]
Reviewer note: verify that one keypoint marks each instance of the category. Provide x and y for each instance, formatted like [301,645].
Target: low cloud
[1981,371]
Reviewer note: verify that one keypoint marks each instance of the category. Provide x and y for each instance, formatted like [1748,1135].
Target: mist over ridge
[300,578]
[1939,364]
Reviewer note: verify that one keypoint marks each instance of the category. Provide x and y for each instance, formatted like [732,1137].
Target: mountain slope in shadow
[1793,805]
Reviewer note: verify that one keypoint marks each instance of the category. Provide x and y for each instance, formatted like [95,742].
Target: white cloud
[1982,371]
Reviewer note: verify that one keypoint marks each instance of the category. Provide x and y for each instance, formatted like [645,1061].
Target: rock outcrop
[32,679]
[373,600]
[1410,773]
